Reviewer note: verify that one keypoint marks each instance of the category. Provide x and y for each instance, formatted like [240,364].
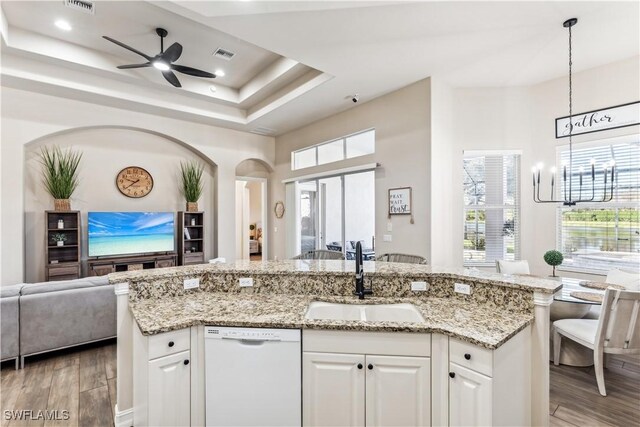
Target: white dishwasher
[253,377]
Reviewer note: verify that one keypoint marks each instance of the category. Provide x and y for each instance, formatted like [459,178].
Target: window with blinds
[597,237]
[491,208]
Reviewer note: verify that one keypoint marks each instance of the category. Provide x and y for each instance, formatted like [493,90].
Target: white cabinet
[346,389]
[169,390]
[470,399]
[366,378]
[333,389]
[490,387]
[398,391]
[161,379]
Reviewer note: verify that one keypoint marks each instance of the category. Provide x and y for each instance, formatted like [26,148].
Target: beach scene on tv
[125,233]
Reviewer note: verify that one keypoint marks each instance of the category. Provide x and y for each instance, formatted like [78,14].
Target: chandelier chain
[570,114]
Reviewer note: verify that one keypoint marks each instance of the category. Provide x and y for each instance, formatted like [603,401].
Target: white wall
[403,134]
[523,118]
[104,153]
[28,116]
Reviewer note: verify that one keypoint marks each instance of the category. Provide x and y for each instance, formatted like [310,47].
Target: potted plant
[553,258]
[59,238]
[191,174]
[60,174]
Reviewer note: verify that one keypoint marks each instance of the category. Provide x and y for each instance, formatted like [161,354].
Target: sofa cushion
[10,290]
[63,285]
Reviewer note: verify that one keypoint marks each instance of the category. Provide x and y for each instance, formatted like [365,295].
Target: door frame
[264,212]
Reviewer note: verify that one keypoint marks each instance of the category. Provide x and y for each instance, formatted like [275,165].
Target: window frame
[344,149]
[516,207]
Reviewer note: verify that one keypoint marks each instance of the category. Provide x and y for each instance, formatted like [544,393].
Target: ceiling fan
[164,61]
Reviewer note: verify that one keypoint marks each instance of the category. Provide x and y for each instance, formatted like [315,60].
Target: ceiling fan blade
[171,78]
[192,71]
[125,67]
[148,58]
[172,53]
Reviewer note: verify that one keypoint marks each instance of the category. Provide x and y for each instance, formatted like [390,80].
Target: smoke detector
[221,53]
[81,5]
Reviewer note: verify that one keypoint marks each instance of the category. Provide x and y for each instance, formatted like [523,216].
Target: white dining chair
[512,267]
[629,280]
[617,331]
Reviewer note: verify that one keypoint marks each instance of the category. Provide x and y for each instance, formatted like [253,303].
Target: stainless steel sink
[319,310]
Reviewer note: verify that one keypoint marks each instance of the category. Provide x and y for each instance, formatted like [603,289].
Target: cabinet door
[170,390]
[470,397]
[333,389]
[398,391]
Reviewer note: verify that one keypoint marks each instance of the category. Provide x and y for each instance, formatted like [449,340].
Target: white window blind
[491,208]
[597,237]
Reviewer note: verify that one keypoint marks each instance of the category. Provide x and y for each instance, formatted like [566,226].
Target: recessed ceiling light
[212,89]
[219,73]
[63,25]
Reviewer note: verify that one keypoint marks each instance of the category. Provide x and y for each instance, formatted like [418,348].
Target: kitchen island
[497,311]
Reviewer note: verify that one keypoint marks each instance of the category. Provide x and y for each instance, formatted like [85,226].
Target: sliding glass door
[337,212]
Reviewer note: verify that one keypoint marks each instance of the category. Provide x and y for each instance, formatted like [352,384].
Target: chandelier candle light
[568,199]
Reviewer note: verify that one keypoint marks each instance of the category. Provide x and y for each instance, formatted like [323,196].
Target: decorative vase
[193,221]
[192,206]
[60,224]
[60,243]
[62,205]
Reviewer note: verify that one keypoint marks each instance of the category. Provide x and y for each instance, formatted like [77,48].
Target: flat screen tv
[127,233]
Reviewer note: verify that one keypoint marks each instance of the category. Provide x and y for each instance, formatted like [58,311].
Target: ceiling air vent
[81,5]
[262,130]
[223,54]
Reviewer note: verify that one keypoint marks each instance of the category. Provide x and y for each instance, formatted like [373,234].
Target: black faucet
[361,291]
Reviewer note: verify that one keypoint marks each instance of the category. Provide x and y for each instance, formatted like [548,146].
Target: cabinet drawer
[470,356]
[169,343]
[194,258]
[64,271]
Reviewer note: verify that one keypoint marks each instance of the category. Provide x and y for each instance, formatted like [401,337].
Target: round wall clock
[279,209]
[134,181]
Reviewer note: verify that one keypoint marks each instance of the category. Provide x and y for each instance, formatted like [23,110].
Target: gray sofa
[9,322]
[56,315]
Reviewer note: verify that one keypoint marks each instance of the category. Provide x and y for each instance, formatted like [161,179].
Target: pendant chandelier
[569,198]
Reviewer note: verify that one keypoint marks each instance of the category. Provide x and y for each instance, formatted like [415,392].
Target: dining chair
[404,258]
[617,331]
[629,280]
[512,267]
[320,254]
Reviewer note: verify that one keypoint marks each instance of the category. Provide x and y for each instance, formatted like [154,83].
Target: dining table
[575,300]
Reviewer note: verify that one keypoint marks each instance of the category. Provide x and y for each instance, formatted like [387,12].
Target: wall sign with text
[594,121]
[400,200]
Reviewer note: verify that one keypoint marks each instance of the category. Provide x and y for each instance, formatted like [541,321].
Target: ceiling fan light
[219,73]
[161,65]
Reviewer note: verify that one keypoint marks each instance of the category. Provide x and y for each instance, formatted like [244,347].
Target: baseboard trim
[123,418]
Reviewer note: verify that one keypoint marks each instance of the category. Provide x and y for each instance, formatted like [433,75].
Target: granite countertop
[341,268]
[482,325]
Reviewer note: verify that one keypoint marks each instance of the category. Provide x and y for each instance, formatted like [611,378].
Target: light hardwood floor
[83,381]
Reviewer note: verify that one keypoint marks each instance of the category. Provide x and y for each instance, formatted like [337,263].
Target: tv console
[103,266]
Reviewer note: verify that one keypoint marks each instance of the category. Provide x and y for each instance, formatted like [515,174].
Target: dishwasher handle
[251,339]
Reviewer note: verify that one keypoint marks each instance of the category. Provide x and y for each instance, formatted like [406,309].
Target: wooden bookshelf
[191,238]
[62,262]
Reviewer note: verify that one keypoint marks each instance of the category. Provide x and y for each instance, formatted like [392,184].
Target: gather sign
[598,120]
